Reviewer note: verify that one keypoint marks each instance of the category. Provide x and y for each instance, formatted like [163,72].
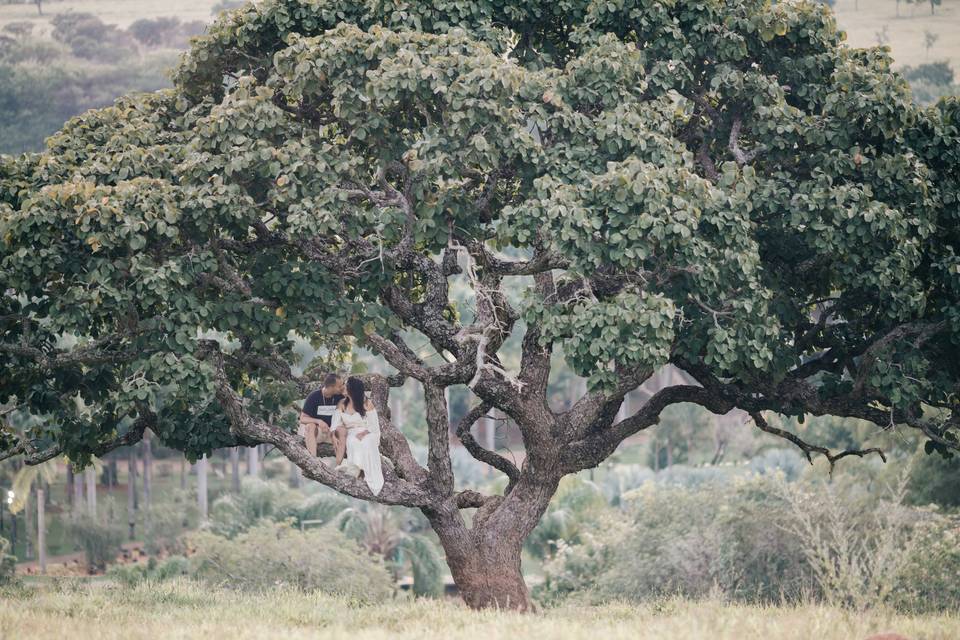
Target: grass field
[861,19]
[85,610]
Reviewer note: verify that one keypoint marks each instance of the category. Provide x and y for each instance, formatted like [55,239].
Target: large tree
[719,185]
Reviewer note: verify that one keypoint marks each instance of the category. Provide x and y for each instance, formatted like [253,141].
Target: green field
[85,610]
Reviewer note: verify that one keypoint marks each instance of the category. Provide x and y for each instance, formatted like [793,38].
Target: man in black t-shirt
[318,411]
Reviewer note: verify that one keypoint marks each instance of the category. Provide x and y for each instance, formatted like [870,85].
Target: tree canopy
[719,185]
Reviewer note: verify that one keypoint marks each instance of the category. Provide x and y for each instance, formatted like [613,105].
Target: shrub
[574,507]
[232,514]
[89,38]
[156,32]
[272,553]
[153,571]
[692,542]
[930,579]
[936,73]
[164,525]
[99,540]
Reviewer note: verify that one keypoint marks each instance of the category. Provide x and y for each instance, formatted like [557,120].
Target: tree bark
[91,480]
[484,560]
[77,492]
[253,461]
[28,523]
[132,492]
[490,577]
[202,487]
[42,530]
[70,486]
[147,468]
[235,469]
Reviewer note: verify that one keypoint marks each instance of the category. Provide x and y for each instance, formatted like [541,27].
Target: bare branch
[807,448]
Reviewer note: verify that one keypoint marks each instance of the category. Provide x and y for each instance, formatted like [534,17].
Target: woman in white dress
[359,417]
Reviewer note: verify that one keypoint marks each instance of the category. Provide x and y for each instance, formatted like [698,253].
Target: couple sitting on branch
[342,414]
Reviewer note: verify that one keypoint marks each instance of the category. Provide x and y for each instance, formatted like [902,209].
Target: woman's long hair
[356,392]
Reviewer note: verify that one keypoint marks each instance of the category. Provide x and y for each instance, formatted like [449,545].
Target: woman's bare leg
[310,436]
[340,443]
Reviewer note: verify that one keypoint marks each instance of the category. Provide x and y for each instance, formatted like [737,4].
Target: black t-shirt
[317,399]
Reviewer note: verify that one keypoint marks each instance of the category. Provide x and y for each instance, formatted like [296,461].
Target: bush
[8,563]
[692,542]
[89,38]
[164,525]
[165,31]
[936,73]
[573,509]
[153,571]
[930,579]
[759,539]
[272,553]
[99,540]
[258,499]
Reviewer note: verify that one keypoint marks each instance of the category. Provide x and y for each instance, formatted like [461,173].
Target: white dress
[365,453]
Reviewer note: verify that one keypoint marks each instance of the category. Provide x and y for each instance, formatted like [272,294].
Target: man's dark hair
[331,380]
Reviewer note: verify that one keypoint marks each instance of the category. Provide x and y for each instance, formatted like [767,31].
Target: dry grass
[906,33]
[181,609]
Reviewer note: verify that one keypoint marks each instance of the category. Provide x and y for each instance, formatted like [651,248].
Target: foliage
[938,73]
[89,38]
[151,571]
[99,540]
[575,506]
[760,540]
[232,514]
[272,553]
[935,481]
[928,582]
[401,539]
[164,524]
[164,31]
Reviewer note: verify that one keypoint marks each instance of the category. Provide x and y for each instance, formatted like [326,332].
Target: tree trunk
[253,461]
[132,492]
[235,469]
[70,486]
[202,487]
[485,560]
[91,479]
[77,492]
[490,577]
[183,474]
[42,530]
[147,468]
[28,524]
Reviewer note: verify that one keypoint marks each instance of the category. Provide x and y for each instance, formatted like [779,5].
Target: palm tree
[43,475]
[379,531]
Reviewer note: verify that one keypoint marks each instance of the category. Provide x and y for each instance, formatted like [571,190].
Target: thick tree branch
[486,456]
[33,456]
